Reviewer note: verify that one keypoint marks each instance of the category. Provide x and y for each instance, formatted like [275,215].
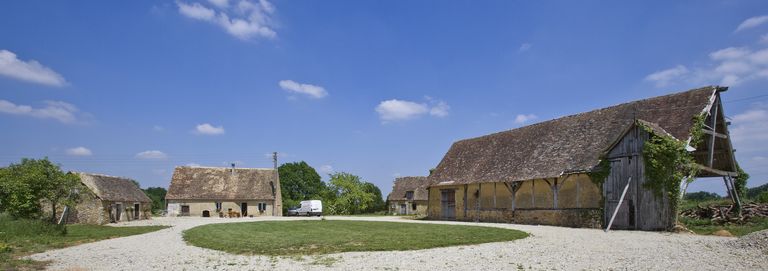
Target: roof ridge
[227,168]
[713,87]
[102,175]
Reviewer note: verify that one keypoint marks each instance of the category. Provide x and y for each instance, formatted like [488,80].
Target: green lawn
[705,226]
[330,236]
[23,237]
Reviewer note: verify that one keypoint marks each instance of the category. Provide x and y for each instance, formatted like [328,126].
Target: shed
[104,199]
[409,196]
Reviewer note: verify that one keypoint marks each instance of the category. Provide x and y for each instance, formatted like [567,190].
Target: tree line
[344,194]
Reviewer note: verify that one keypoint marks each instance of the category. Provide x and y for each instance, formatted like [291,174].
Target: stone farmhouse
[222,191]
[540,174]
[409,196]
[105,199]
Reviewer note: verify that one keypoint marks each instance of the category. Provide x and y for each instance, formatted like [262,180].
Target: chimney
[233,168]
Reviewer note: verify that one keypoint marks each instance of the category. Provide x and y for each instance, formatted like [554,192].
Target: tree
[702,196]
[740,182]
[349,193]
[378,203]
[299,181]
[30,183]
[157,194]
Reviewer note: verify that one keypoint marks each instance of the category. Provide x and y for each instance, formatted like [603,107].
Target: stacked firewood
[722,214]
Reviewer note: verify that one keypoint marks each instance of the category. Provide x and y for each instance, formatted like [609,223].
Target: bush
[762,197]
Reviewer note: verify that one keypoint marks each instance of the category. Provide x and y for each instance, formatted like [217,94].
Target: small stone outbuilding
[409,196]
[222,191]
[106,199]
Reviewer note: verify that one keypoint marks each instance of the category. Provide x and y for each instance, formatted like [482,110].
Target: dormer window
[409,195]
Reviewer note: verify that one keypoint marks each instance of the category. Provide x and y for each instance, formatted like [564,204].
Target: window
[409,195]
[413,206]
[262,207]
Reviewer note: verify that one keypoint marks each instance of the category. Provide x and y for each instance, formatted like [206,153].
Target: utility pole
[275,186]
[274,159]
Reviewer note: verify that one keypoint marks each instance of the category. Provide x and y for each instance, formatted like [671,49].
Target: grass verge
[705,226]
[331,236]
[21,237]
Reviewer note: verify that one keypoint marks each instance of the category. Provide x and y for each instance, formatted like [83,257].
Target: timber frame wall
[570,200]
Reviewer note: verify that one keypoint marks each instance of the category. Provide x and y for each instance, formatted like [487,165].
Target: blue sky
[375,88]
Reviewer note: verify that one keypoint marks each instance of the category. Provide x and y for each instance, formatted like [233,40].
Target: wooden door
[136,211]
[244,208]
[448,203]
[118,211]
[621,169]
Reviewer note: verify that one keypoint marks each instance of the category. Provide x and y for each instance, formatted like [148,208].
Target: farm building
[104,199]
[222,191]
[409,196]
[540,174]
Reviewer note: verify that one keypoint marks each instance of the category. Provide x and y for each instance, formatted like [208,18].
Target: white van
[310,208]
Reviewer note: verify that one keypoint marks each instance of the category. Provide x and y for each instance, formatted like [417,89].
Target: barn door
[448,203]
[621,170]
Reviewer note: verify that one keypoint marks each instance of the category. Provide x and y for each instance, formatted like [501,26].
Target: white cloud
[30,71]
[245,21]
[220,3]
[152,155]
[79,151]
[729,53]
[313,91]
[440,110]
[193,165]
[208,129]
[524,47]
[752,22]
[399,110]
[750,129]
[664,77]
[196,11]
[395,110]
[523,118]
[764,39]
[60,111]
[729,66]
[325,169]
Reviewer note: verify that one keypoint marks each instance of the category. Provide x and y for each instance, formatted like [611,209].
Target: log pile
[724,214]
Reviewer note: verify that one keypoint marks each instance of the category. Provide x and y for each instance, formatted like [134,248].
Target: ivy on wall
[667,163]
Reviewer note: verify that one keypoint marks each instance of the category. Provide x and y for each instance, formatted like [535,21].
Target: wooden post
[735,195]
[714,131]
[465,200]
[621,199]
[477,202]
[494,195]
[533,194]
[578,202]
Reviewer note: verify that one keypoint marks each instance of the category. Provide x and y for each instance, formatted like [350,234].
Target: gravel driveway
[550,248]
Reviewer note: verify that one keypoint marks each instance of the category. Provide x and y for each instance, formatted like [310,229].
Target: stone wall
[578,202]
[196,207]
[421,207]
[580,218]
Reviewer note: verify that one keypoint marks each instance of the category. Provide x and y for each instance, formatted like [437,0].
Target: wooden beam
[712,141]
[494,195]
[710,132]
[717,171]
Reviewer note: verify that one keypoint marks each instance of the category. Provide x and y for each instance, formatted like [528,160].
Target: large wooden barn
[222,191]
[409,196]
[539,174]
